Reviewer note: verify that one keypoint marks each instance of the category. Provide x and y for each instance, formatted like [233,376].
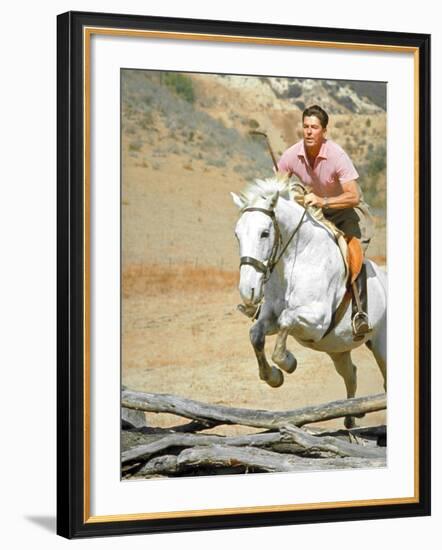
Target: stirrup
[360,325]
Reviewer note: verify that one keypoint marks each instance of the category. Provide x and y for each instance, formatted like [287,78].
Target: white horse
[305,287]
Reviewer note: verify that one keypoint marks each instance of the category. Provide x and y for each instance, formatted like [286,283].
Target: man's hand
[313,200]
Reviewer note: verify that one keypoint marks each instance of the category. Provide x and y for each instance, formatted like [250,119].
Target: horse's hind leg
[269,374]
[344,366]
[378,346]
[281,355]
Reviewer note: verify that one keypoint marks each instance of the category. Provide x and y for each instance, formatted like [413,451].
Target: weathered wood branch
[291,434]
[218,456]
[160,465]
[143,452]
[132,419]
[202,412]
[330,444]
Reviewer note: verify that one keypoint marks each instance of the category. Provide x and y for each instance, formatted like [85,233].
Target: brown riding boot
[359,322]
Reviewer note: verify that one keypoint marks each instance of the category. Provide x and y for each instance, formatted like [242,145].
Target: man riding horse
[325,169]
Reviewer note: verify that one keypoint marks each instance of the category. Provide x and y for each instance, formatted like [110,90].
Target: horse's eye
[265,234]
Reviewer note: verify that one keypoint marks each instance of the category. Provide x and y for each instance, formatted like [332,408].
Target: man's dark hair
[317,111]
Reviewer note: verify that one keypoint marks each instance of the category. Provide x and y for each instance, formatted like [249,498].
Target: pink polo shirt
[332,168]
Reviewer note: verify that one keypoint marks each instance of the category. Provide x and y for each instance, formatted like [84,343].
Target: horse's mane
[259,189]
[289,188]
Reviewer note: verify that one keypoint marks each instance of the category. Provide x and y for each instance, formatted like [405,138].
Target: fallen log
[143,452]
[289,434]
[202,412]
[160,465]
[220,456]
[132,419]
[329,444]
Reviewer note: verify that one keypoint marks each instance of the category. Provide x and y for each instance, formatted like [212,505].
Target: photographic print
[228,254]
[253,274]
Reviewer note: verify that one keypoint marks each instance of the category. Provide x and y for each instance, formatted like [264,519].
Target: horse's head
[258,237]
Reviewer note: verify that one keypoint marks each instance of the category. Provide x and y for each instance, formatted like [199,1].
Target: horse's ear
[274,200]
[240,202]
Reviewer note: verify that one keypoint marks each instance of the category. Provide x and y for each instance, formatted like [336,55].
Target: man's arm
[348,199]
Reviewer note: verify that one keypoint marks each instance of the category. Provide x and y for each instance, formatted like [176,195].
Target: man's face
[314,133]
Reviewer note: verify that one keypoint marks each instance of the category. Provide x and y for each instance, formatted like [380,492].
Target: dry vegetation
[156,279]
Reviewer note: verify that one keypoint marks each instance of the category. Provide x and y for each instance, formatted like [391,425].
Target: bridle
[268,266]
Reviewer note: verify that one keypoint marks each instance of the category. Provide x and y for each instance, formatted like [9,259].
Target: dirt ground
[195,344]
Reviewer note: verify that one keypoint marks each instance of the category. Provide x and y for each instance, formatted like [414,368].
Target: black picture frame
[73,519]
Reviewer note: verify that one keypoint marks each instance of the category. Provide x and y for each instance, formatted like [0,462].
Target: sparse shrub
[173,149]
[373,176]
[144,164]
[349,146]
[147,121]
[368,123]
[219,162]
[135,146]
[253,124]
[377,161]
[181,84]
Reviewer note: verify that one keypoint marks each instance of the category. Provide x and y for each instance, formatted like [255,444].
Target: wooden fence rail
[271,420]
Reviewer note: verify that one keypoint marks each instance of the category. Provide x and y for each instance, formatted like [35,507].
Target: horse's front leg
[308,321]
[272,375]
[281,355]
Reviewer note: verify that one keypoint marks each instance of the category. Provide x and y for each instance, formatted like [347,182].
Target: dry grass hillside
[186,144]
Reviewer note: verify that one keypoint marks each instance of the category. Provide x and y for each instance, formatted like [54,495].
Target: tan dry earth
[181,333]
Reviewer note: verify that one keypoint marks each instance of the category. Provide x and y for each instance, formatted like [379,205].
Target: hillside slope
[186,144]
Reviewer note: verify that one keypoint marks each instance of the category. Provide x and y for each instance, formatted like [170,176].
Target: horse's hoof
[289,364]
[349,422]
[276,378]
